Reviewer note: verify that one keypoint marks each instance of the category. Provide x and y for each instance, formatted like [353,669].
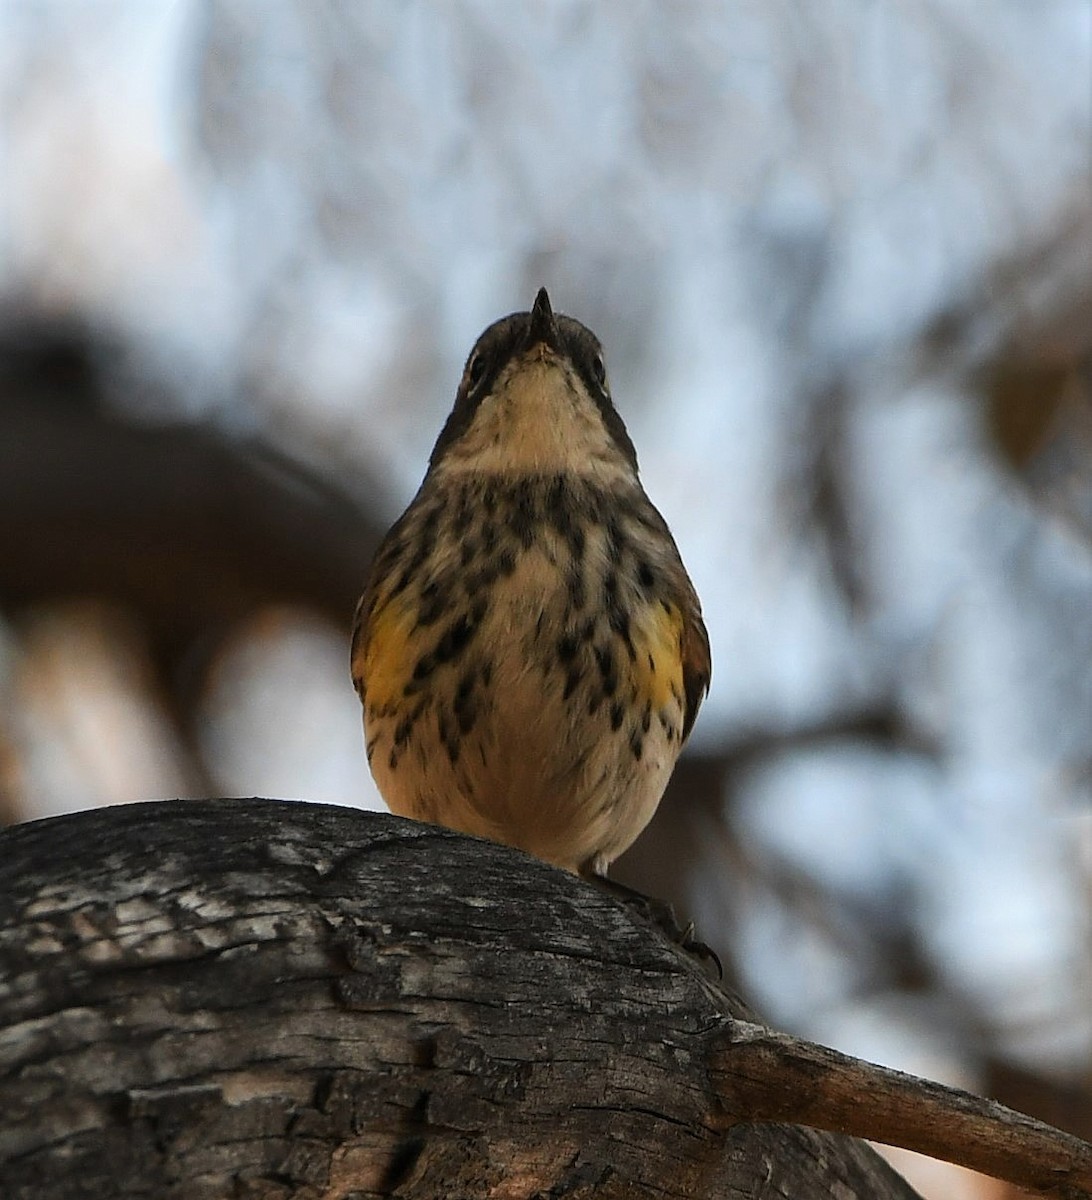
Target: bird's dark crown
[515,335]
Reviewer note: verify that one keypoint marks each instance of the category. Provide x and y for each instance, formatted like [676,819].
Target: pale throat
[539,420]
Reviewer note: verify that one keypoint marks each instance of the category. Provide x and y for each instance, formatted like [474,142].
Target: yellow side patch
[658,670]
[389,654]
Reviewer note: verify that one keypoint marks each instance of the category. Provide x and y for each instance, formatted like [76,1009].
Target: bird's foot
[661,914]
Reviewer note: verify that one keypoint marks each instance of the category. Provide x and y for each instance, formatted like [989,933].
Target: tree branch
[770,1076]
[259,999]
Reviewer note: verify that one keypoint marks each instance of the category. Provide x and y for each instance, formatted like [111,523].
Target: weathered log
[254,998]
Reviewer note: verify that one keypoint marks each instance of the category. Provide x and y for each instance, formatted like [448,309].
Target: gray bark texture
[249,998]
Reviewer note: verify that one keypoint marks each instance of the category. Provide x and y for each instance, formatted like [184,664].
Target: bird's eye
[475,369]
[599,371]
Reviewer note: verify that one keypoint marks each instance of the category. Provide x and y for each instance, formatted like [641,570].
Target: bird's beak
[543,328]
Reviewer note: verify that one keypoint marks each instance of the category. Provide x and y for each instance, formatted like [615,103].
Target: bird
[529,650]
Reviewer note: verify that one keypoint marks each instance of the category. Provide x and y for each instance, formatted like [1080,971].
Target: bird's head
[534,399]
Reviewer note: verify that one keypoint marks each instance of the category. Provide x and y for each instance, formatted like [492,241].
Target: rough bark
[252,998]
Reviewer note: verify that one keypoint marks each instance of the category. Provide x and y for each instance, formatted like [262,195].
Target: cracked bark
[259,999]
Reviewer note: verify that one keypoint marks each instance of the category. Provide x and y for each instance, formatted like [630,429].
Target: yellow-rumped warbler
[529,649]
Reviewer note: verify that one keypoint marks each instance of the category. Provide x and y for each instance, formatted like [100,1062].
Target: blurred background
[840,255]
